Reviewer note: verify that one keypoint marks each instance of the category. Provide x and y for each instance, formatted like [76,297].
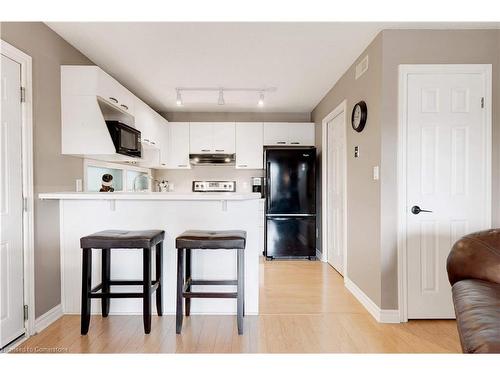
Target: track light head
[178,101]
[221,98]
[260,103]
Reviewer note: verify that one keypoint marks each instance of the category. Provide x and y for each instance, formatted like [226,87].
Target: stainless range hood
[212,159]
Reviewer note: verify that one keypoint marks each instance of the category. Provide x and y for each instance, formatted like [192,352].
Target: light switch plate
[376,173]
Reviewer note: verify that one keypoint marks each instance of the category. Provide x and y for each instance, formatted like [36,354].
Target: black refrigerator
[290,193]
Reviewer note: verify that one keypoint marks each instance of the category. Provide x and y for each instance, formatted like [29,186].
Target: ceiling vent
[362,67]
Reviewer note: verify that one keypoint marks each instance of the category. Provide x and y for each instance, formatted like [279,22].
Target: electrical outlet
[356,151]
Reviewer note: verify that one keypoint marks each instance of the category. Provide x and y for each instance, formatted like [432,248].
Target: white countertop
[172,196]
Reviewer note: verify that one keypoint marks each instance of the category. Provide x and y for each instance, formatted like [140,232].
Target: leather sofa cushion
[475,256]
[123,239]
[202,239]
[477,307]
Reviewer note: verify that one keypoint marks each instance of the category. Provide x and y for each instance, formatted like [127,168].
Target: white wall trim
[342,107]
[404,71]
[381,316]
[320,256]
[27,154]
[48,318]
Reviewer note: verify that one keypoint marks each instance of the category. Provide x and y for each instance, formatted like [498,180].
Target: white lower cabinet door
[178,149]
[249,145]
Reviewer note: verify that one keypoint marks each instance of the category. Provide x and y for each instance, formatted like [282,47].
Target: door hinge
[23,95]
[482,102]
[25,312]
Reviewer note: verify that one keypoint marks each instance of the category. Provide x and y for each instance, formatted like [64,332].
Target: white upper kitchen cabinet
[146,120]
[249,145]
[178,146]
[288,134]
[164,138]
[200,137]
[93,81]
[212,137]
[224,137]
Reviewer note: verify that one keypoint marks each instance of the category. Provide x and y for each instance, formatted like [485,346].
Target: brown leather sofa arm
[475,256]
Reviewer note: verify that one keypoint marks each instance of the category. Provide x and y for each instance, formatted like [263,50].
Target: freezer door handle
[290,215]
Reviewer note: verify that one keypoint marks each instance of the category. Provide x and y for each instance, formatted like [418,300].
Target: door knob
[415,210]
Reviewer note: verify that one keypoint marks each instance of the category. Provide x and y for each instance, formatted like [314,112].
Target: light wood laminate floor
[304,309]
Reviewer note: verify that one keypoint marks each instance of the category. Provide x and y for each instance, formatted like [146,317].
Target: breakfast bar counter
[84,213]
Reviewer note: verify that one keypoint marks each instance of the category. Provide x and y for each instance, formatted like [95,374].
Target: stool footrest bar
[212,282]
[209,295]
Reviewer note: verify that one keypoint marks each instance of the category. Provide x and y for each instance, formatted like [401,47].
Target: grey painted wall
[363,194]
[372,259]
[52,171]
[425,47]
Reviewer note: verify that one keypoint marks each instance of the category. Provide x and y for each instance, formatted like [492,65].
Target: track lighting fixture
[221,101]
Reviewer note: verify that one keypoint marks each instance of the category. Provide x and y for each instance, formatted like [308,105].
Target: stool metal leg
[180,286]
[86,287]
[146,298]
[105,277]
[159,278]
[240,267]
[187,301]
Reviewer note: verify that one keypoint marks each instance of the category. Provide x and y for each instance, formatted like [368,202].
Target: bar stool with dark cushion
[121,239]
[206,240]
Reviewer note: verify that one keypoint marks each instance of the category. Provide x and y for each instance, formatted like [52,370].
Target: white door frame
[342,107]
[404,71]
[27,154]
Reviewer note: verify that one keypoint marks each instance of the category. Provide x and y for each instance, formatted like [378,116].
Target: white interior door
[448,174]
[11,201]
[336,191]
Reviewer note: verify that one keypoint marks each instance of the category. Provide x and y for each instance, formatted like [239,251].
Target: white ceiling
[302,60]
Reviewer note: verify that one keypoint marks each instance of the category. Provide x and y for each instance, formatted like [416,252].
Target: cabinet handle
[219,150]
[124,106]
[182,165]
[146,140]
[113,99]
[205,150]
[281,143]
[295,143]
[153,143]
[242,166]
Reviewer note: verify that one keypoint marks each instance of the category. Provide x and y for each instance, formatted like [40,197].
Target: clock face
[356,117]
[359,114]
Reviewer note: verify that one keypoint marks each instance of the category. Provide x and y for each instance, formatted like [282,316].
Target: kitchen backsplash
[182,179]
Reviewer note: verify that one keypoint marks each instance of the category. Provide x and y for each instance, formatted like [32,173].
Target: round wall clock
[359,115]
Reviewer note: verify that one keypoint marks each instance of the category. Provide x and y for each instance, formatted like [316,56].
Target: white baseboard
[48,318]
[380,315]
[319,255]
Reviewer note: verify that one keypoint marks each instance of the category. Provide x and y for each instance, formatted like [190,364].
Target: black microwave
[127,140]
